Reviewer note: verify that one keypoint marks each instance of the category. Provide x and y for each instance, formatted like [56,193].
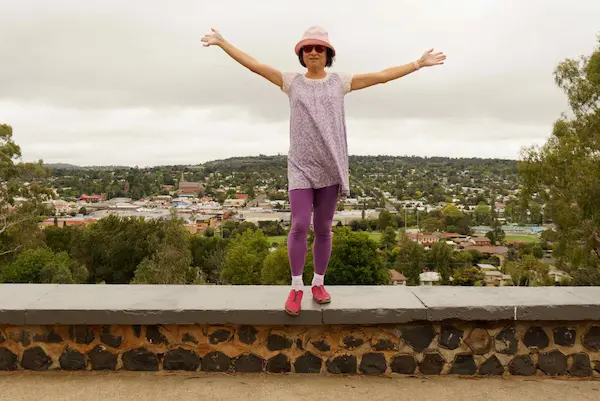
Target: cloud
[98,77]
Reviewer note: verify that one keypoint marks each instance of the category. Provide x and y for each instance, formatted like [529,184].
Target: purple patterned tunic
[318,153]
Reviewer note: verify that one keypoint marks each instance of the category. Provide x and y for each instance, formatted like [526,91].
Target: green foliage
[354,260]
[21,197]
[467,276]
[410,259]
[244,258]
[563,173]
[271,228]
[42,265]
[528,272]
[208,254]
[385,220]
[441,257]
[276,268]
[388,239]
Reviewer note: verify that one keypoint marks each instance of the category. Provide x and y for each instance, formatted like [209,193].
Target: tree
[244,258]
[388,239]
[384,220]
[467,276]
[528,272]
[441,257]
[41,265]
[21,195]
[169,264]
[410,259]
[171,259]
[208,254]
[563,173]
[276,268]
[354,260]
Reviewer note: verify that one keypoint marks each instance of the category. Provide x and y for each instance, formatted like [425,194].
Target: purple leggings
[302,202]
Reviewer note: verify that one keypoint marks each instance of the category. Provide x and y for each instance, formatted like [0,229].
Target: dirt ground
[108,386]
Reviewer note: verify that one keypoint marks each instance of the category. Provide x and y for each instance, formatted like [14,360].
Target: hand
[213,39]
[429,59]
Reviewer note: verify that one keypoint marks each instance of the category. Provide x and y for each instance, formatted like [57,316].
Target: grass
[280,239]
[522,238]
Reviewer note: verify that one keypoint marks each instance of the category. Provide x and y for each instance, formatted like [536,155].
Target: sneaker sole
[291,313]
[323,301]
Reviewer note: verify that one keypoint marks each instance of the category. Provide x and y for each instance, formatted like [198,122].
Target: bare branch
[11,250]
[8,224]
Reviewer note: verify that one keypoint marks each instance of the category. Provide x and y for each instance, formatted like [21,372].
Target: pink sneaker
[321,295]
[294,303]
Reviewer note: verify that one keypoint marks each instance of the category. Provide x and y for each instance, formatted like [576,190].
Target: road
[133,386]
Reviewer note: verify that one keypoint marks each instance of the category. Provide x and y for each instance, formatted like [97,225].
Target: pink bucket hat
[315,35]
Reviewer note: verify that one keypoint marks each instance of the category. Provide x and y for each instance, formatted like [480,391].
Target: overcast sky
[129,83]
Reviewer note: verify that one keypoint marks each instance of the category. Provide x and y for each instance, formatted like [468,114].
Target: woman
[318,153]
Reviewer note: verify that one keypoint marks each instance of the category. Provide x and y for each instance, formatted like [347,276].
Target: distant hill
[64,166]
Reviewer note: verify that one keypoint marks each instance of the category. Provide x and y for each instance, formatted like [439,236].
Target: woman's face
[315,56]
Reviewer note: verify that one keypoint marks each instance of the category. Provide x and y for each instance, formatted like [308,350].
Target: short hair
[328,63]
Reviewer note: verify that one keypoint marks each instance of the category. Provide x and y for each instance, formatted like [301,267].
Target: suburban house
[234,203]
[493,277]
[397,277]
[93,198]
[429,278]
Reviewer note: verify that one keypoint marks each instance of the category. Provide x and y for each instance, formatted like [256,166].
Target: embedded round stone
[24,338]
[536,337]
[507,341]
[102,359]
[50,337]
[279,364]
[140,359]
[450,337]
[220,336]
[8,360]
[181,359]
[522,365]
[308,363]
[591,339]
[404,364]
[564,336]
[81,334]
[373,364]
[189,338]
[248,363]
[154,336]
[137,330]
[432,364]
[418,337]
[383,344]
[109,339]
[491,367]
[479,341]
[321,345]
[343,364]
[351,342]
[581,366]
[553,363]
[216,362]
[35,359]
[247,334]
[463,364]
[72,359]
[276,342]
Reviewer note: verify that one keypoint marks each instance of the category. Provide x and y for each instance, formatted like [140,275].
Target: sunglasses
[318,48]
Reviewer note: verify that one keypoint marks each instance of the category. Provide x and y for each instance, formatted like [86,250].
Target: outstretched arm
[361,81]
[270,73]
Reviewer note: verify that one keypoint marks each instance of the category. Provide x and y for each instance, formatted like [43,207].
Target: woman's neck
[315,73]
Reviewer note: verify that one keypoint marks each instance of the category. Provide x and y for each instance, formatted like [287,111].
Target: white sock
[297,283]
[318,279]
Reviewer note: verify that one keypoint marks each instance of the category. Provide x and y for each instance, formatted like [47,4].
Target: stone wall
[416,348]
